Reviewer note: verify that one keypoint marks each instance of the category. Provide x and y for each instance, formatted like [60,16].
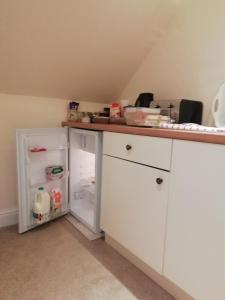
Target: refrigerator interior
[83,177]
[55,154]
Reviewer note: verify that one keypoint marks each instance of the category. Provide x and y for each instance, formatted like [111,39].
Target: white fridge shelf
[36,185]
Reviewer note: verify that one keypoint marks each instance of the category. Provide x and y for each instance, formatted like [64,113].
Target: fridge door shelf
[53,216]
[44,149]
[48,182]
[30,156]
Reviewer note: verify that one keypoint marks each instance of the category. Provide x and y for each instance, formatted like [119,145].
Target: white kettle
[218,107]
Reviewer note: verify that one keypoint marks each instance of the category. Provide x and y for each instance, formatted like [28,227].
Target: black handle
[128,147]
[159,180]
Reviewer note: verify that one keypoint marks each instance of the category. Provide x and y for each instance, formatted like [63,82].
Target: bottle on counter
[73,114]
[115,110]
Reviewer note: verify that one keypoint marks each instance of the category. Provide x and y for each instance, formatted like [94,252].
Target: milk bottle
[41,210]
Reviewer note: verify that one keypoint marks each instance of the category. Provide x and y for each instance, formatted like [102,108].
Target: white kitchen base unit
[135,188]
[167,215]
[195,243]
[79,153]
[161,280]
[134,208]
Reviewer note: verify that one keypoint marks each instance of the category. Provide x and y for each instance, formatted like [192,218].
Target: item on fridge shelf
[41,208]
[38,149]
[115,110]
[54,172]
[56,200]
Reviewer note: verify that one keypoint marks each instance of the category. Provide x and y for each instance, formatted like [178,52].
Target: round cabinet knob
[128,147]
[159,180]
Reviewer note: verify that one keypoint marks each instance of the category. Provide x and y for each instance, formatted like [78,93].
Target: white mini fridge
[79,153]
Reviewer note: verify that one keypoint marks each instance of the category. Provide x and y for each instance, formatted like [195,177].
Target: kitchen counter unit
[204,137]
[167,214]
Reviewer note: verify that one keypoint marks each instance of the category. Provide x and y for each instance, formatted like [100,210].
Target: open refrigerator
[77,154]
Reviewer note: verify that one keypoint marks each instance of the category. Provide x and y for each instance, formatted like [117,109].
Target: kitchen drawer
[152,151]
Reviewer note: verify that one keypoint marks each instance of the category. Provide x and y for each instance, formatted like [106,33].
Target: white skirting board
[83,229]
[8,217]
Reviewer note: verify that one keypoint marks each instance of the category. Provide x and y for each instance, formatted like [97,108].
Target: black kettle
[144,100]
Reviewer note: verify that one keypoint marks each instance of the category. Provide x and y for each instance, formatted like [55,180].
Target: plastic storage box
[142,116]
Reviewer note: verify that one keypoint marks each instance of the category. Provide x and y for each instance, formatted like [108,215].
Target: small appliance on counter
[190,111]
[218,107]
[144,100]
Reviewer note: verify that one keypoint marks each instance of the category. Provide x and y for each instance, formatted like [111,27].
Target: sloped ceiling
[77,49]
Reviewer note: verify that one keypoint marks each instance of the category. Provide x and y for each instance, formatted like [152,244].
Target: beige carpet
[55,262]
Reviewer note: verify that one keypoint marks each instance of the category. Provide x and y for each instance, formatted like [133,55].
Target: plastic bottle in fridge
[41,210]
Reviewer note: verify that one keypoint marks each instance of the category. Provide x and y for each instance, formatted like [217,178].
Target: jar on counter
[74,115]
[85,117]
[115,110]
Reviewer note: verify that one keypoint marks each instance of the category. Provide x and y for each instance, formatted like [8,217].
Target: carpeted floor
[55,262]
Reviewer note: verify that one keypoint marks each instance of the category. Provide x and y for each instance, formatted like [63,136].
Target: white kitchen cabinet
[151,151]
[195,243]
[133,208]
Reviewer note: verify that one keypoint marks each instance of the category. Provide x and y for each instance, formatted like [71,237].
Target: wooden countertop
[204,137]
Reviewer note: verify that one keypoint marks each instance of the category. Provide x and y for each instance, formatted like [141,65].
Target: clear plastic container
[140,116]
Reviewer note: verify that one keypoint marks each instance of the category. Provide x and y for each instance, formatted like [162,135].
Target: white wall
[25,112]
[189,62]
[90,48]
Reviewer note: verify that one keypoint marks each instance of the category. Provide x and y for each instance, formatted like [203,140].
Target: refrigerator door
[38,149]
[85,176]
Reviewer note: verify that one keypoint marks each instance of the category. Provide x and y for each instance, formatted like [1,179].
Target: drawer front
[152,151]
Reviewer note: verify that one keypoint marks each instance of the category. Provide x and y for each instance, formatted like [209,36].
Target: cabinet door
[195,245]
[133,208]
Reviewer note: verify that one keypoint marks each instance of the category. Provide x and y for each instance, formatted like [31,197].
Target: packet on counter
[156,120]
